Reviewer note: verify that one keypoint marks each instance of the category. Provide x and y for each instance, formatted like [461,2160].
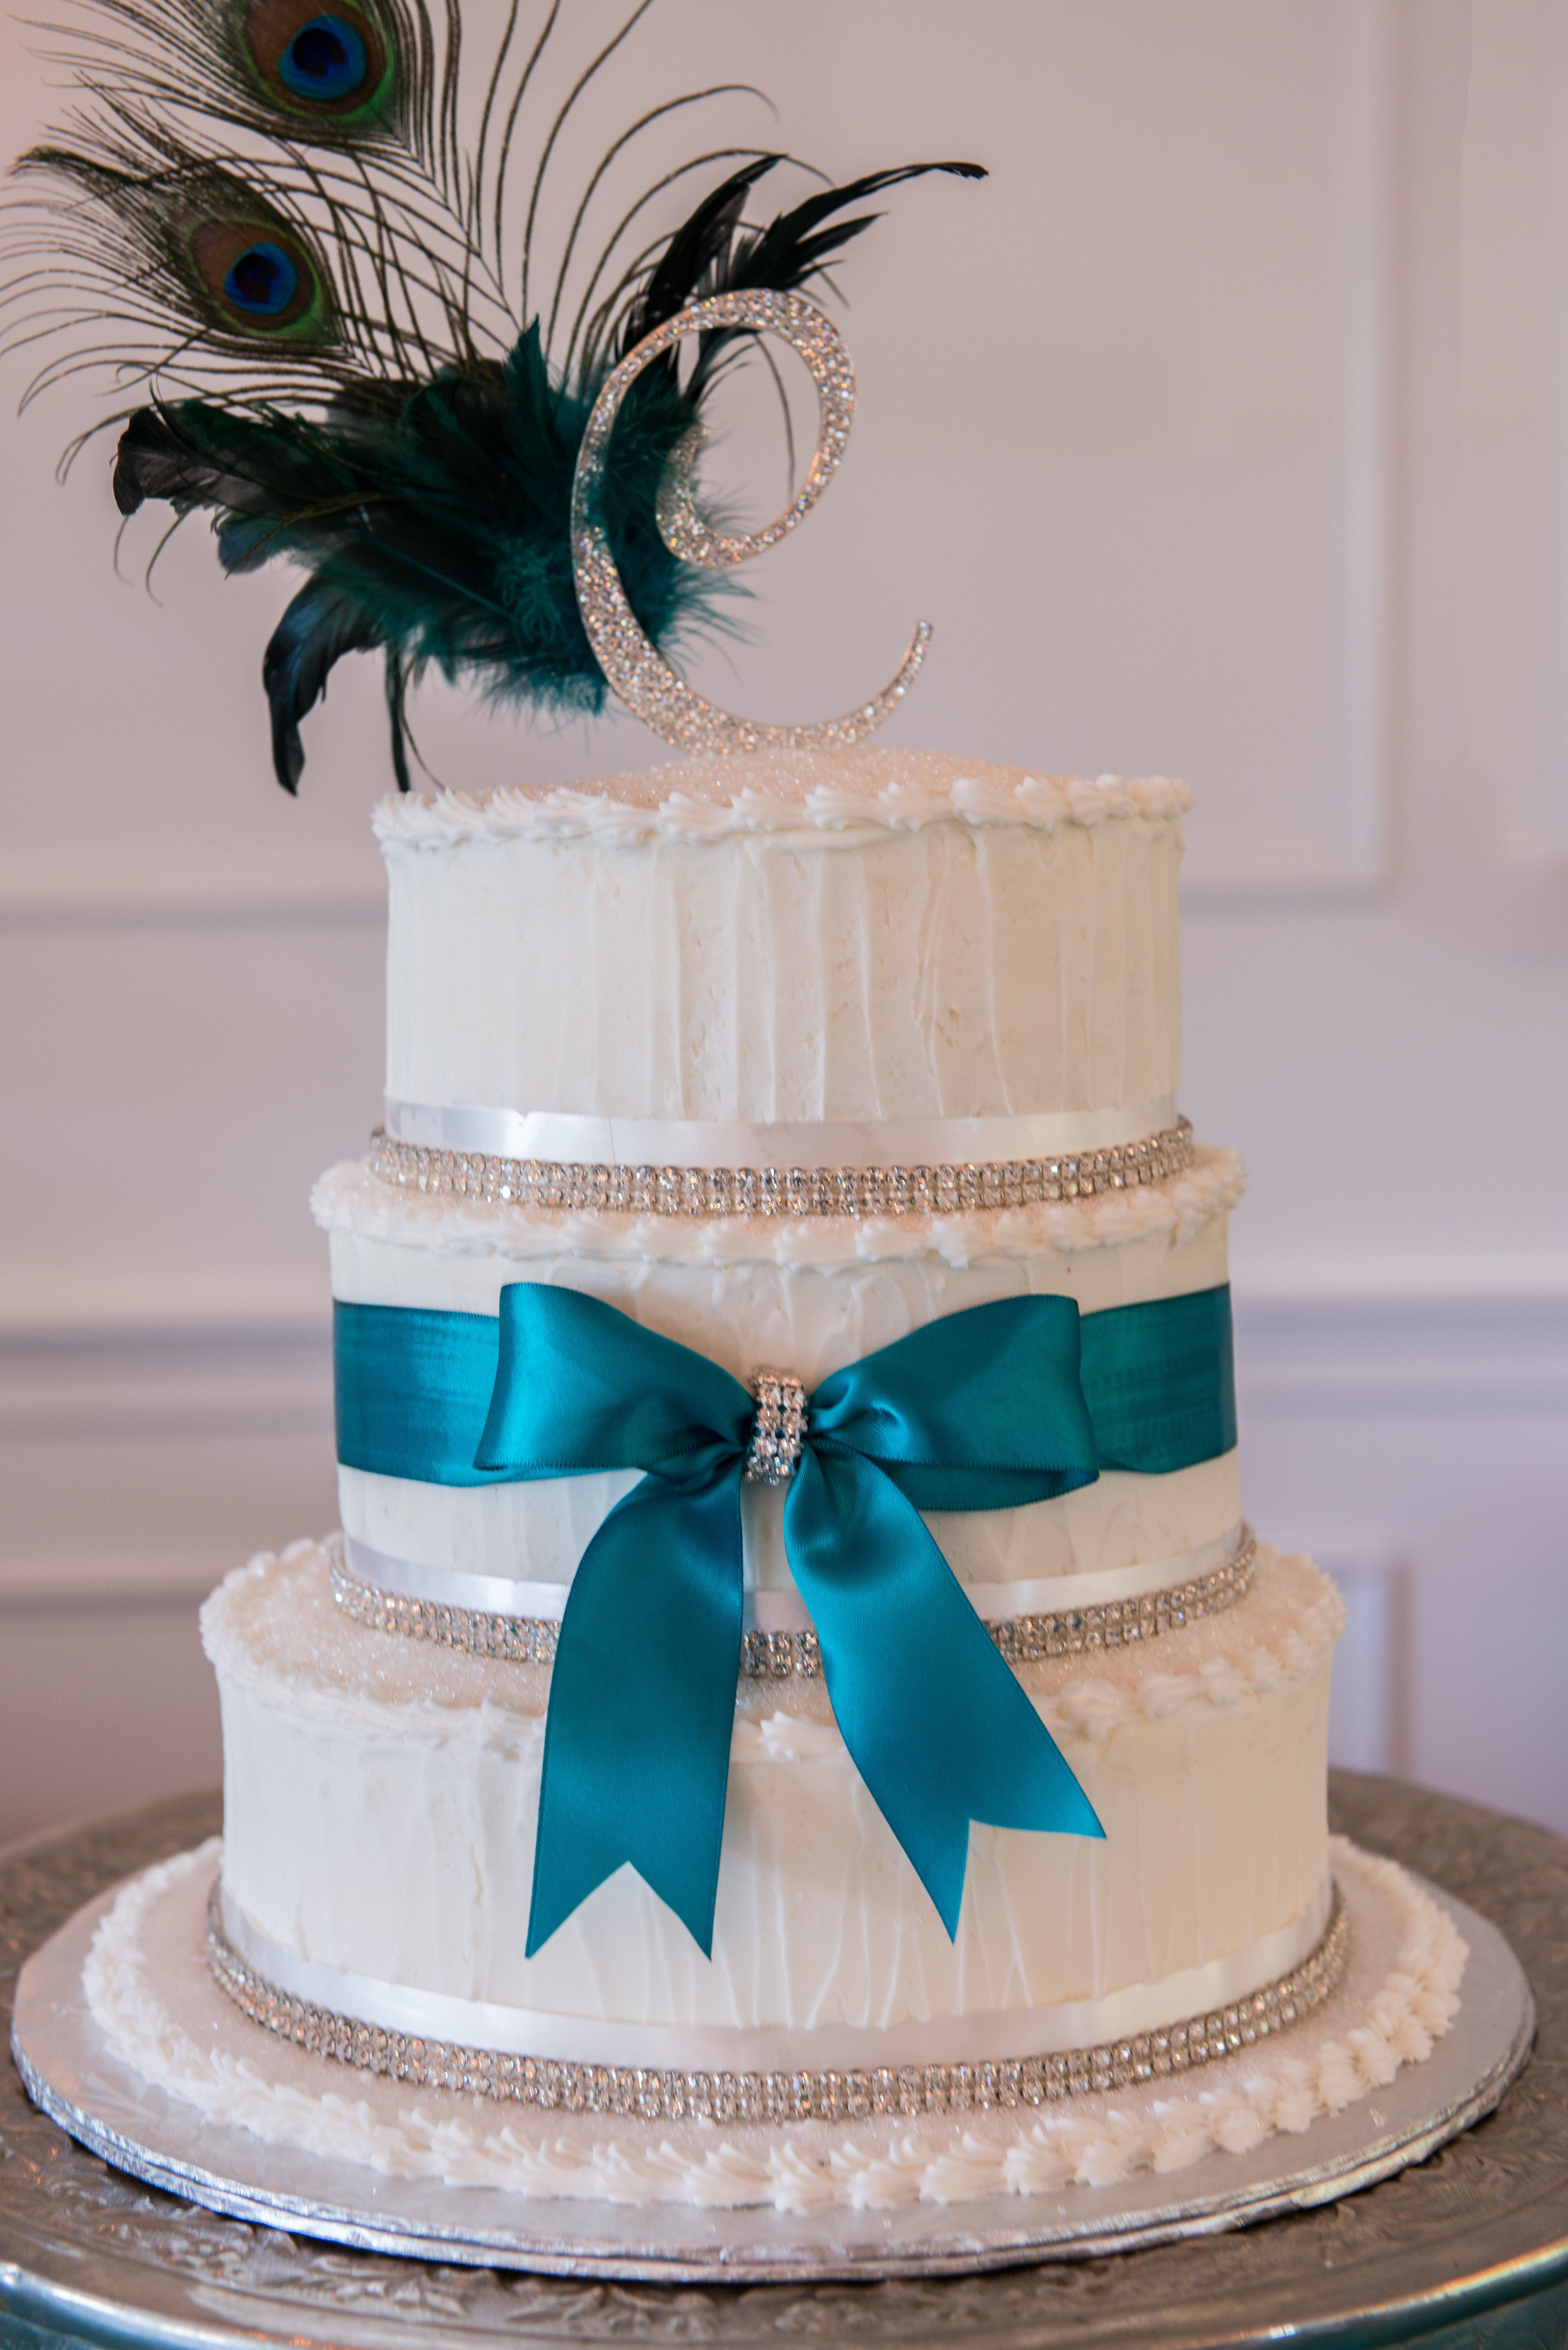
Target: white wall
[1224,433]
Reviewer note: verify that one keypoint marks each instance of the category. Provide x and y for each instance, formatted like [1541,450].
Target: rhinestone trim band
[947,1190]
[652,2095]
[775,1655]
[779,1431]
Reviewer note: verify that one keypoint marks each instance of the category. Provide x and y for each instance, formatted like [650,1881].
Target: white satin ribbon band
[558,1139]
[487,1594]
[724,2048]
[785,1611]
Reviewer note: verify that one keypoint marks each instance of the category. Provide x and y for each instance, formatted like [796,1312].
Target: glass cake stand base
[97,2257]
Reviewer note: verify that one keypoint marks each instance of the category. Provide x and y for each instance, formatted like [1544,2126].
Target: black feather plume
[268,203]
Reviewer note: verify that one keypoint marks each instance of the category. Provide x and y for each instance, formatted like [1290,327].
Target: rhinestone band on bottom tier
[653,2096]
[946,1190]
[776,1656]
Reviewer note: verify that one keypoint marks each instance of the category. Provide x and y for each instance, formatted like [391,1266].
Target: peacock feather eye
[333,63]
[262,281]
[259,277]
[326,60]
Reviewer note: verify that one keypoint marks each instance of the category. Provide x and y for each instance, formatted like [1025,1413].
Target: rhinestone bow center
[778,1431]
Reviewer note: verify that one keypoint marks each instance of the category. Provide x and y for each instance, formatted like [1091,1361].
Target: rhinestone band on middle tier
[945,1191]
[776,1656]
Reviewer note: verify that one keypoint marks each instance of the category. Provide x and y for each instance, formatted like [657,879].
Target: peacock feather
[264,217]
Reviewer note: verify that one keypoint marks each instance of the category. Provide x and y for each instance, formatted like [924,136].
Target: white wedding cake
[785,1060]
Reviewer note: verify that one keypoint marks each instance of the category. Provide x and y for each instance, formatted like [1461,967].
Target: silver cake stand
[1469,2248]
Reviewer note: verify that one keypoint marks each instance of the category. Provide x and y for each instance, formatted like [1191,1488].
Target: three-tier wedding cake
[786,1061]
[793,1713]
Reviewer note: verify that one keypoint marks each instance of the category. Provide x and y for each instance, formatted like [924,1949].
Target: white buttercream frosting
[148,1991]
[880,936]
[380,1802]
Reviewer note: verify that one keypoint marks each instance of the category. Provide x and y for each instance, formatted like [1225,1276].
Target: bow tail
[938,1728]
[642,1706]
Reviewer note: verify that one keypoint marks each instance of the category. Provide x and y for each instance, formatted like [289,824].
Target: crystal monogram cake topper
[264,218]
[639,673]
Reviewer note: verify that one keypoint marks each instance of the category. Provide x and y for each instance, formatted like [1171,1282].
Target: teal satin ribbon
[1012,1402]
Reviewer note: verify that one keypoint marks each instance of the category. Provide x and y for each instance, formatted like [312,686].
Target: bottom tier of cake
[378,2137]
[381,1794]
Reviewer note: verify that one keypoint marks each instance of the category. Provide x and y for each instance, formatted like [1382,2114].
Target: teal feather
[336,374]
[440,534]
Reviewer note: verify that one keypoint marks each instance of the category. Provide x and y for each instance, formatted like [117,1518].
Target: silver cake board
[71,2073]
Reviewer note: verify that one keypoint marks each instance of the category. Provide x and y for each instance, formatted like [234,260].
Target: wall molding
[237,1375]
[88,1318]
[169,1577]
[1345,853]
[1368,1710]
[265,1359]
[1465,1349]
[54,889]
[182,1391]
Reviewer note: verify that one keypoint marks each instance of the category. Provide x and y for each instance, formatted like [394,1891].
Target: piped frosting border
[352,1196]
[1086,1693]
[1355,2045]
[610,814]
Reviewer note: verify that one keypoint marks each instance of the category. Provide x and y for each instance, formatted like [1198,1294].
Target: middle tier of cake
[806,1298]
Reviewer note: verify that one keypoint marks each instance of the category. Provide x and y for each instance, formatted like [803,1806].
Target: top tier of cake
[693,944]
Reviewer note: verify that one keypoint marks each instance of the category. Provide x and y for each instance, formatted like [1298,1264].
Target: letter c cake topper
[644,681]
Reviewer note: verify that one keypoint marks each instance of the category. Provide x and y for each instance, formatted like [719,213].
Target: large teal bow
[974,1412]
[982,1409]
